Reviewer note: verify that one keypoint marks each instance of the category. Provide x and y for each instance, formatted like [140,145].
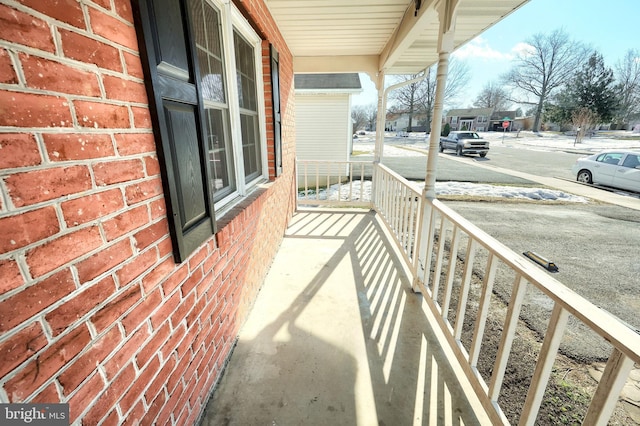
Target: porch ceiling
[371,35]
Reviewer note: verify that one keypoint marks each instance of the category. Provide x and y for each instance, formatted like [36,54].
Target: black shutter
[275,94]
[172,80]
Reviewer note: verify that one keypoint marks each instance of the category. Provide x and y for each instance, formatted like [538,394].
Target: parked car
[464,142]
[618,169]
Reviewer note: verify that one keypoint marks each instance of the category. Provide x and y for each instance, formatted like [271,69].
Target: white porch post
[379,146]
[446,14]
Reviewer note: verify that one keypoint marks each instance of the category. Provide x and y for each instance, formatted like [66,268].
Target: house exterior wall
[93,309]
[323,126]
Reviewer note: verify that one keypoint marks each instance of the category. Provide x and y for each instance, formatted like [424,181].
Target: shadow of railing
[339,340]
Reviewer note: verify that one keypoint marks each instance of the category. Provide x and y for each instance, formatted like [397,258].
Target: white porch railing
[336,183]
[459,269]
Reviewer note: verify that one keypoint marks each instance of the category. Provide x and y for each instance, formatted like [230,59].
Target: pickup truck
[464,142]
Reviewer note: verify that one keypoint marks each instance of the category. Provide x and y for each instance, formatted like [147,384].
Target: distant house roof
[330,82]
[471,112]
[500,115]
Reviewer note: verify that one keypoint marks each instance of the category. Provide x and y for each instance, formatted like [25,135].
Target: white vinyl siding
[323,127]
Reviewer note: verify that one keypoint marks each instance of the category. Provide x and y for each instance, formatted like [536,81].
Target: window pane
[206,28]
[246,80]
[250,146]
[220,153]
[246,73]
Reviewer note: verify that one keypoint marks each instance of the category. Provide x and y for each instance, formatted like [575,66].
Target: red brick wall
[93,309]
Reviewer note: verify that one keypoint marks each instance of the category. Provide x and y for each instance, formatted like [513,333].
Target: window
[454,119]
[203,70]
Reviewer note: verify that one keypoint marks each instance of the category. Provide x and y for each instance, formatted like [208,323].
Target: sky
[611,27]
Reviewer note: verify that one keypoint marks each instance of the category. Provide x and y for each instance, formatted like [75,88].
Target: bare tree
[583,120]
[371,112]
[539,71]
[420,97]
[493,96]
[627,72]
[358,117]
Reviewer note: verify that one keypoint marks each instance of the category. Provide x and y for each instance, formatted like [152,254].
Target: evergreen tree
[594,88]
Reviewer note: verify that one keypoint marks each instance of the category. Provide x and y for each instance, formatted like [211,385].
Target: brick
[53,76]
[134,67]
[48,395]
[108,315]
[141,191]
[68,11]
[20,347]
[138,265]
[84,396]
[158,209]
[175,280]
[112,419]
[192,317]
[176,378]
[135,143]
[126,353]
[30,110]
[7,73]
[103,261]
[74,309]
[153,410]
[77,46]
[197,258]
[139,385]
[141,313]
[133,417]
[182,310]
[88,362]
[152,165]
[151,235]
[26,228]
[49,256]
[33,187]
[151,348]
[34,299]
[160,380]
[112,172]
[176,336]
[160,272]
[141,118]
[47,364]
[126,222]
[113,29]
[191,282]
[107,401]
[124,90]
[85,209]
[18,150]
[102,115]
[123,8]
[18,27]
[78,146]
[165,247]
[11,276]
[161,315]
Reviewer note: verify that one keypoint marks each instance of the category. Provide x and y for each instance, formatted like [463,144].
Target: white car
[618,169]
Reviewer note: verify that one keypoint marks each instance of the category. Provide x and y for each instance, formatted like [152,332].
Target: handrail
[429,246]
[441,257]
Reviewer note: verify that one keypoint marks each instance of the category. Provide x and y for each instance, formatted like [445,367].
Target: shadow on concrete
[337,337]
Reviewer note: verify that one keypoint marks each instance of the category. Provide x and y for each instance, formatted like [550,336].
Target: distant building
[324,129]
[477,119]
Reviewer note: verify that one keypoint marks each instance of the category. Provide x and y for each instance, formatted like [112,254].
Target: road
[595,245]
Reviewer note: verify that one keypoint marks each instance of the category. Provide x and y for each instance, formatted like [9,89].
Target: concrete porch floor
[337,337]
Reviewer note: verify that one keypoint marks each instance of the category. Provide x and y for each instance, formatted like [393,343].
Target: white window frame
[230,18]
